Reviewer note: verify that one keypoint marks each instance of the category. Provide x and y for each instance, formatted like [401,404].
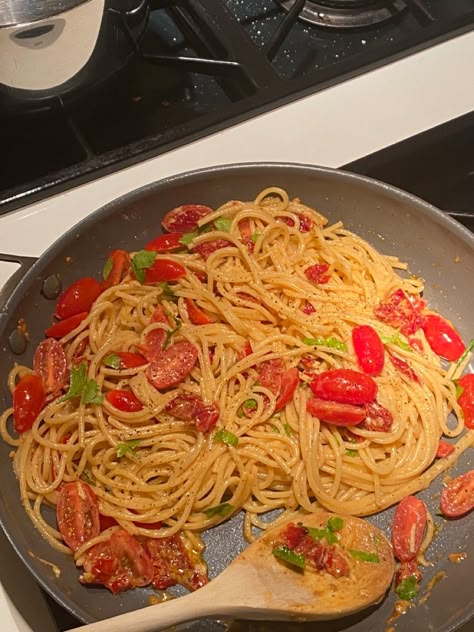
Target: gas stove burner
[347,13]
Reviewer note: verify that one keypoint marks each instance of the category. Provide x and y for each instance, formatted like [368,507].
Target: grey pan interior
[436,247]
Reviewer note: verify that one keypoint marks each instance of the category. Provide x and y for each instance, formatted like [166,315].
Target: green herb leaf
[126,447]
[219,510]
[251,404]
[143,260]
[224,436]
[166,291]
[287,429]
[187,238]
[112,361]
[107,269]
[77,382]
[465,353]
[322,534]
[459,389]
[407,589]
[223,224]
[275,428]
[351,452]
[333,343]
[335,523]
[290,557]
[396,340]
[86,476]
[170,332]
[363,556]
[91,394]
[254,237]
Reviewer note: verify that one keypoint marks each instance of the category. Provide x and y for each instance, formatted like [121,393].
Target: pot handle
[25,264]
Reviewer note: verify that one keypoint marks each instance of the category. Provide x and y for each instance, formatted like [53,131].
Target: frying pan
[436,248]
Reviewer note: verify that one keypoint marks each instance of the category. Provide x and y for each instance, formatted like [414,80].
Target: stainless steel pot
[58,48]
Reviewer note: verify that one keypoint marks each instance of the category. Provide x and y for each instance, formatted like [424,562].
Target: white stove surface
[330,128]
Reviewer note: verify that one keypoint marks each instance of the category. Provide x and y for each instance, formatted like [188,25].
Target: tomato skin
[120,267]
[457,498]
[408,528]
[196,315]
[189,407]
[345,386]
[185,218]
[170,367]
[444,449]
[369,349]
[305,223]
[443,338]
[78,297]
[378,418]
[164,270]
[130,360]
[336,413]
[77,513]
[466,399]
[50,363]
[317,273]
[289,382]
[126,401]
[207,248]
[165,243]
[28,400]
[64,327]
[404,367]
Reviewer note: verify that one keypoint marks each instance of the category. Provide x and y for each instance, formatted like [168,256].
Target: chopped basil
[287,429]
[113,361]
[187,238]
[170,332]
[219,510]
[396,340]
[223,224]
[333,343]
[142,260]
[126,447]
[166,291]
[80,386]
[107,269]
[87,477]
[351,452]
[407,589]
[224,436]
[459,389]
[251,404]
[254,237]
[363,556]
[322,534]
[335,523]
[275,428]
[290,557]
[91,394]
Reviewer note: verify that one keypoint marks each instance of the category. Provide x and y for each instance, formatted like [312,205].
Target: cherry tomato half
[443,338]
[28,401]
[207,248]
[408,528]
[185,218]
[196,315]
[289,382]
[77,513]
[170,367]
[129,360]
[119,264]
[164,270]
[50,363]
[401,311]
[457,498]
[64,327]
[336,413]
[317,273]
[369,349]
[444,449]
[189,407]
[345,386]
[270,374]
[126,401]
[466,399]
[165,243]
[78,297]
[377,418]
[404,367]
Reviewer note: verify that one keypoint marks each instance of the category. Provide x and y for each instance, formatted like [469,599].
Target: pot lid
[19,12]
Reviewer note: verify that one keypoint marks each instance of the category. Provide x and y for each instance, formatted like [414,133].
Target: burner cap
[347,13]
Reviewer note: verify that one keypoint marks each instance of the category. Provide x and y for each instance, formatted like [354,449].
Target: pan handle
[25,264]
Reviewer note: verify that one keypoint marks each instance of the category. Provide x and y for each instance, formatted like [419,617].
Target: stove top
[201,68]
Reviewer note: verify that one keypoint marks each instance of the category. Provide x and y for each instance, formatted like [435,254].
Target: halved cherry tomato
[196,315]
[401,311]
[466,399]
[185,218]
[369,349]
[377,418]
[345,386]
[189,407]
[208,247]
[155,339]
[120,261]
[407,569]
[106,522]
[336,413]
[289,382]
[166,242]
[457,498]
[64,327]
[170,367]
[305,222]
[77,513]
[270,374]
[50,363]
[403,367]
[317,273]
[28,401]
[126,401]
[408,528]
[129,360]
[245,351]
[444,449]
[308,308]
[78,297]
[164,270]
[442,337]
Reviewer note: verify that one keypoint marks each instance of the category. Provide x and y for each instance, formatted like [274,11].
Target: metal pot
[60,48]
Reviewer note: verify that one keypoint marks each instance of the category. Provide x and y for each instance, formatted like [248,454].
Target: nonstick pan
[435,247]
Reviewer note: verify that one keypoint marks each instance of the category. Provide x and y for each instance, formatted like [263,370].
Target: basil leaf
[333,343]
[251,404]
[407,589]
[322,534]
[113,361]
[363,556]
[287,429]
[142,260]
[91,394]
[275,428]
[254,237]
[126,447]
[224,436]
[87,477]
[465,353]
[107,269]
[223,224]
[77,382]
[335,523]
[187,238]
[459,389]
[396,340]
[219,510]
[166,291]
[170,332]
[290,557]
[351,452]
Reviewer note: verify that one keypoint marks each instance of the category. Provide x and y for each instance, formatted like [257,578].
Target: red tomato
[189,407]
[170,367]
[443,338]
[164,270]
[208,247]
[305,223]
[173,564]
[106,522]
[292,535]
[78,297]
[129,360]
[196,315]
[401,311]
[408,528]
[457,498]
[466,399]
[245,351]
[28,401]
[77,513]
[369,349]
[246,233]
[407,569]
[126,401]
[270,374]
[345,386]
[308,308]
[64,327]
[336,413]
[377,419]
[404,367]
[289,382]
[166,242]
[317,273]
[120,260]
[50,364]
[185,218]
[444,449]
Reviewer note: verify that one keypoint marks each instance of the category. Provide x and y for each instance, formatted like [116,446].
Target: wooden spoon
[257,585]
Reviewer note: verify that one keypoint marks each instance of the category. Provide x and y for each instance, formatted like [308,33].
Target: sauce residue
[159,597]
[56,570]
[431,584]
[399,608]
[457,558]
